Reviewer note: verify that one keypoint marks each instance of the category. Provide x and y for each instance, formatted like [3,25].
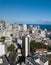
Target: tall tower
[26,45]
[24,27]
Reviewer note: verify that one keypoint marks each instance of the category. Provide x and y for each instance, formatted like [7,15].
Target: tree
[3,38]
[34,45]
[11,48]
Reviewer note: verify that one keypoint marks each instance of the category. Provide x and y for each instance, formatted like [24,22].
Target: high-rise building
[24,27]
[26,45]
[2,25]
[2,49]
[43,34]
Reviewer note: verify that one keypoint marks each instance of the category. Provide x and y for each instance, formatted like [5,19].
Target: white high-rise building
[26,45]
[2,25]
[19,28]
[24,27]
[2,49]
[43,34]
[8,27]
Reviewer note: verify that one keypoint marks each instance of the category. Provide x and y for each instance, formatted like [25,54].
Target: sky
[26,11]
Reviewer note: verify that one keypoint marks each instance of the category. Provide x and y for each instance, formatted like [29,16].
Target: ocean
[42,26]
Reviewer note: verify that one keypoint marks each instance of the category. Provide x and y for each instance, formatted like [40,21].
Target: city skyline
[26,11]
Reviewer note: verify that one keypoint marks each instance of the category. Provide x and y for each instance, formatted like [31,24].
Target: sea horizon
[42,26]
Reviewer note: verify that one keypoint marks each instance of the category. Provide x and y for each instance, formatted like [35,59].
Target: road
[5,62]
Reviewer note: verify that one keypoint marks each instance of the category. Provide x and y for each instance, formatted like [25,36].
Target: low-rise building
[41,51]
[43,61]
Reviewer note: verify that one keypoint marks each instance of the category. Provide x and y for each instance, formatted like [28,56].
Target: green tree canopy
[11,48]
[34,45]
